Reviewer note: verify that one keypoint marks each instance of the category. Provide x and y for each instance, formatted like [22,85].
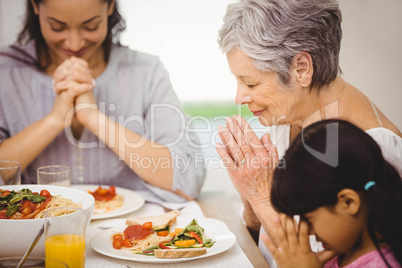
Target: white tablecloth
[233,257]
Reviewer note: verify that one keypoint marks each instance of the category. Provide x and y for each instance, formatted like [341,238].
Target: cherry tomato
[45,193]
[163,233]
[112,189]
[126,243]
[27,203]
[117,244]
[26,210]
[101,191]
[147,225]
[118,237]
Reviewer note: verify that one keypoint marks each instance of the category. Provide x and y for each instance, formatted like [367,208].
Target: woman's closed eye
[91,28]
[59,29]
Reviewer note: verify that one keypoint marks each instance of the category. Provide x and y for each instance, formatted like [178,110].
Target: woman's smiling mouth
[257,113]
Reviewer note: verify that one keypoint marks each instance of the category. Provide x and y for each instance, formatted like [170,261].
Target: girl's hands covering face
[292,245]
[71,79]
[250,161]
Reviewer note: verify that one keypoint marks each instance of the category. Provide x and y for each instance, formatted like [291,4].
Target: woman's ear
[349,201]
[111,8]
[303,67]
[35,7]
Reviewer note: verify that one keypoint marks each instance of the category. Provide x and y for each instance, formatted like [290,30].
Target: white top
[391,148]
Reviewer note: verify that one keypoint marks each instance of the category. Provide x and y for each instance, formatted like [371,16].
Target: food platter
[215,229]
[132,201]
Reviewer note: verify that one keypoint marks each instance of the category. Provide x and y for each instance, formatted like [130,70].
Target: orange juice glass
[65,236]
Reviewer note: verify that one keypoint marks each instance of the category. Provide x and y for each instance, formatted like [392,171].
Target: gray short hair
[272,32]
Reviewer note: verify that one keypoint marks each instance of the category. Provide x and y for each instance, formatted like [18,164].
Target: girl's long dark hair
[308,182]
[31,31]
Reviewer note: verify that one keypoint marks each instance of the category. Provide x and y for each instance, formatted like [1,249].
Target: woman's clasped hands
[250,161]
[73,84]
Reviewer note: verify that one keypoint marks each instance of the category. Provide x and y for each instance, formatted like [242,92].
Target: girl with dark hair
[71,94]
[352,207]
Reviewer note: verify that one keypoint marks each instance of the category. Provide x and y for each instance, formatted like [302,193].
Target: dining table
[216,205]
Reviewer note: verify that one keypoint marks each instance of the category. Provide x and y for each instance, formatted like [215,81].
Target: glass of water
[54,175]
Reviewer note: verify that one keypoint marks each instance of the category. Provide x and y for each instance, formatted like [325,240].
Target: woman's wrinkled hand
[250,161]
[292,245]
[71,79]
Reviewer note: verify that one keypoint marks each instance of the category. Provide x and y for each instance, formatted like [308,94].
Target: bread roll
[179,253]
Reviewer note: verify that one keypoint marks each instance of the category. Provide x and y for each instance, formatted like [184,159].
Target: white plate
[215,229]
[132,201]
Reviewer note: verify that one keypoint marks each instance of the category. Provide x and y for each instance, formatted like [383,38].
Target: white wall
[11,19]
[183,33]
[371,52]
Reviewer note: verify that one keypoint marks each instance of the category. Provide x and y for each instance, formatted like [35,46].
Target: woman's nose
[74,42]
[242,96]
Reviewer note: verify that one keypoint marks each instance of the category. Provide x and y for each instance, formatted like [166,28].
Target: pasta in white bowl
[18,234]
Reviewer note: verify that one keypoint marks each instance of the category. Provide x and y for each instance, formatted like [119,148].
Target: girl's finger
[282,218]
[304,234]
[293,240]
[276,232]
[271,246]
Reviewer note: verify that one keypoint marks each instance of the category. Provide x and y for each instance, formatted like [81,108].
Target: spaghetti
[27,205]
[106,199]
[150,241]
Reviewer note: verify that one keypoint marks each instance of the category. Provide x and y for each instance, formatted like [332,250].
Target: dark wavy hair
[31,31]
[308,182]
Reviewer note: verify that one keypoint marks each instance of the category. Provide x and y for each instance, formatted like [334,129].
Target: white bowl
[17,235]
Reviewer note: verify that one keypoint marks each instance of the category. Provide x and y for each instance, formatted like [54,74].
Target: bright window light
[183,33]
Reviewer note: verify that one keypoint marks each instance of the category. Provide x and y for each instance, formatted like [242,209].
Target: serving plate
[215,229]
[132,201]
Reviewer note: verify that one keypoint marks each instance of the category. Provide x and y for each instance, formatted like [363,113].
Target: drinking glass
[54,175]
[33,262]
[65,235]
[10,172]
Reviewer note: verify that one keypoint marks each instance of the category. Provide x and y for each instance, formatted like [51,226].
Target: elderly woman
[285,57]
